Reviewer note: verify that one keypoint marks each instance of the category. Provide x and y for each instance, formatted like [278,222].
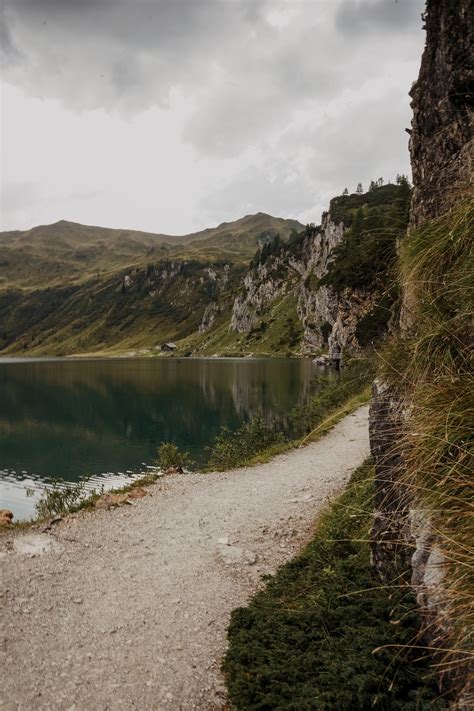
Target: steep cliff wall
[442,101]
[406,533]
[441,141]
[297,268]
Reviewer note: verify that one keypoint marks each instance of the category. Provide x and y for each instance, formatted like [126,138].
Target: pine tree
[359,189]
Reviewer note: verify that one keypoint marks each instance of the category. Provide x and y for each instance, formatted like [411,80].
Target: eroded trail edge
[129,608]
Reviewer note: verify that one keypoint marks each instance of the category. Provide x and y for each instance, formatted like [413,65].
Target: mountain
[259,285]
[68,251]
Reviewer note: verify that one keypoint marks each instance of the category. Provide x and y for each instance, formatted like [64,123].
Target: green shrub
[373,325]
[324,635]
[366,257]
[169,455]
[333,392]
[60,497]
[233,449]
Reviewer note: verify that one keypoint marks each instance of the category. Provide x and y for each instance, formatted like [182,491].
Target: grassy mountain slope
[70,289]
[66,251]
[128,310]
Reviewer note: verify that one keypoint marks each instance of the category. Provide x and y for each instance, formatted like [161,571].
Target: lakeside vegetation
[334,397]
[255,441]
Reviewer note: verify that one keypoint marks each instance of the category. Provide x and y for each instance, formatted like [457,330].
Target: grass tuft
[431,372]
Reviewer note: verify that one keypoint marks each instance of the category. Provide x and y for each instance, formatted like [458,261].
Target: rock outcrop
[404,542]
[209,316]
[441,140]
[329,318]
[441,143]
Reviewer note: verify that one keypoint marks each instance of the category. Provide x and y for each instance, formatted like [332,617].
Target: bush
[60,497]
[170,456]
[234,449]
[326,330]
[333,392]
[373,325]
[324,635]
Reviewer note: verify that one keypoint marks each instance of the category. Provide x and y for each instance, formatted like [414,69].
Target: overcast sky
[174,115]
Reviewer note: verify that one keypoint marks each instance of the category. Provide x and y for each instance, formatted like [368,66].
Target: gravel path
[128,609]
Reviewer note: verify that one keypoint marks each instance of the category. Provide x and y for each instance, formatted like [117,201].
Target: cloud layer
[170,114]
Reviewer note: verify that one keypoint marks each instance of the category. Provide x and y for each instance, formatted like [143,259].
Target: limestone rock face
[441,144]
[261,287]
[209,316]
[318,308]
[391,529]
[328,318]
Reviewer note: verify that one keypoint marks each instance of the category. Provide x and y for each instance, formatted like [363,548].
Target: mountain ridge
[66,251]
[257,285]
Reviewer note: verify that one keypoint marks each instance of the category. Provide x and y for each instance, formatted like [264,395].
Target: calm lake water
[106,418]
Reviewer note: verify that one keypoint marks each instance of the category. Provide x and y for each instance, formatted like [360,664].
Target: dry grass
[430,371]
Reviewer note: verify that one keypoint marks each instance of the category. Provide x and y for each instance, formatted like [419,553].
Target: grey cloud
[275,189]
[77,50]
[307,166]
[306,67]
[390,16]
[129,55]
[298,110]
[9,53]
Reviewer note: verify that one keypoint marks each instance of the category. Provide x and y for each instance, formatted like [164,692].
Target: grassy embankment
[431,371]
[323,634]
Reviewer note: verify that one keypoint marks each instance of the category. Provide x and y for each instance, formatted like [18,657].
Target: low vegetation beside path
[324,635]
[255,441]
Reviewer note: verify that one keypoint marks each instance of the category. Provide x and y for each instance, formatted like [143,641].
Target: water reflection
[70,418]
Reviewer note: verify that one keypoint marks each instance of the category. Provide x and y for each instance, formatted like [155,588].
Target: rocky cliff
[337,317]
[406,541]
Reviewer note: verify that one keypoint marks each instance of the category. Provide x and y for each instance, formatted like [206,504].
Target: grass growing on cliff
[323,635]
[255,441]
[431,371]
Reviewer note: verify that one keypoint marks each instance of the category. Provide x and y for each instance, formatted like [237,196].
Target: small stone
[6,517]
[224,541]
[77,600]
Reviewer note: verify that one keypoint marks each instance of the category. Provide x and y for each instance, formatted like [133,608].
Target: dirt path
[128,609]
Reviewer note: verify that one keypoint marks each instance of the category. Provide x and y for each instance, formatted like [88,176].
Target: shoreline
[153,475]
[159,579]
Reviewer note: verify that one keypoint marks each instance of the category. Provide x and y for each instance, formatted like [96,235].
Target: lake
[106,418]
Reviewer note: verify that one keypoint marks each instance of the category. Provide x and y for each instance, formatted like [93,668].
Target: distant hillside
[67,251]
[259,285]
